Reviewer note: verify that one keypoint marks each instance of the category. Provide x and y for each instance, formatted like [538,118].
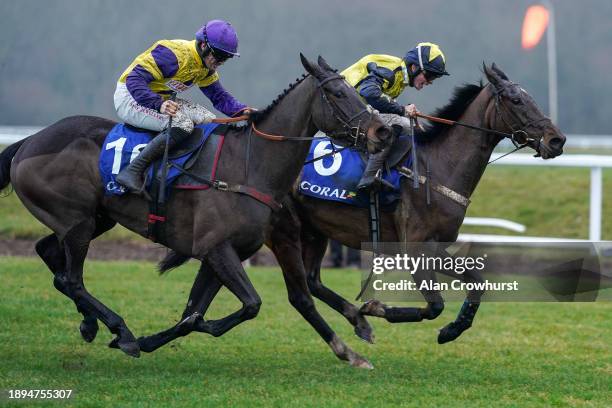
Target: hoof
[373,308]
[131,348]
[89,329]
[450,332]
[360,362]
[114,343]
[365,334]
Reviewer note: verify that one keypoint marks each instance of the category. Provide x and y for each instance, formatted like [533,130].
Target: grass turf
[515,355]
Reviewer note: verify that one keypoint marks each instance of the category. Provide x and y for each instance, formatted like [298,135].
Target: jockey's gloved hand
[411,110]
[169,108]
[247,111]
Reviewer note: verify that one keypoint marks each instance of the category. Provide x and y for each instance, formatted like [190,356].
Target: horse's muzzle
[552,145]
[379,137]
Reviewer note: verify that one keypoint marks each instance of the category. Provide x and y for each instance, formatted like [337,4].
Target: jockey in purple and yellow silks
[380,79]
[144,88]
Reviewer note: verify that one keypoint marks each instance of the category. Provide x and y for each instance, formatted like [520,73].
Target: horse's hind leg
[313,251]
[76,244]
[435,305]
[53,254]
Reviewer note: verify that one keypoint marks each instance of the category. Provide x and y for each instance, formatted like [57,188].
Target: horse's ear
[323,64]
[499,72]
[311,68]
[492,76]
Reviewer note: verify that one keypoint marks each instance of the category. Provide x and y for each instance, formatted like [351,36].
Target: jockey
[142,97]
[380,79]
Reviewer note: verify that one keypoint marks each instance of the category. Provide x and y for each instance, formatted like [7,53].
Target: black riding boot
[131,176]
[375,164]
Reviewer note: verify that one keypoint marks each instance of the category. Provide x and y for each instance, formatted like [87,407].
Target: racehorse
[55,174]
[458,156]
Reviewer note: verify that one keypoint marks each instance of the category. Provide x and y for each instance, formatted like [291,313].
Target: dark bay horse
[458,157]
[55,174]
[298,234]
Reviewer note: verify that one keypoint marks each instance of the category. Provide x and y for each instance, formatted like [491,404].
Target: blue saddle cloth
[335,177]
[123,143]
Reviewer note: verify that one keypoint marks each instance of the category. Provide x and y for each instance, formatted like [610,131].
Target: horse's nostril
[556,143]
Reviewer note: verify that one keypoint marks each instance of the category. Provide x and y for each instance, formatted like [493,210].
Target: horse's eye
[516,101]
[339,94]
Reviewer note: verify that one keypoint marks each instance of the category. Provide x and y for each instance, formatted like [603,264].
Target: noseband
[356,133]
[500,109]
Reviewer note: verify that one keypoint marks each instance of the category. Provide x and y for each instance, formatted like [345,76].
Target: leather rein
[499,112]
[356,133]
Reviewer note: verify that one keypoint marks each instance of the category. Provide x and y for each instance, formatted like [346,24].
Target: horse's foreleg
[468,310]
[288,254]
[204,289]
[313,251]
[225,263]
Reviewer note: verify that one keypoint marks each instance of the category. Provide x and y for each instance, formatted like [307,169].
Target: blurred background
[63,57]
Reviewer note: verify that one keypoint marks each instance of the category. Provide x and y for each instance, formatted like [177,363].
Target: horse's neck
[459,158]
[275,165]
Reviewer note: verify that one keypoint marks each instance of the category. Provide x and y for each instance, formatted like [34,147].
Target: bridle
[500,110]
[357,133]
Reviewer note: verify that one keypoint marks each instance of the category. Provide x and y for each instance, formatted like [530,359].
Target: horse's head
[341,114]
[518,113]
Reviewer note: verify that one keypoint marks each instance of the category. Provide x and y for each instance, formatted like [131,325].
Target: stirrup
[378,183]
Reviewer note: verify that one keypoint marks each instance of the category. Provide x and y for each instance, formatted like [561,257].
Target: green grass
[552,202]
[515,355]
[549,201]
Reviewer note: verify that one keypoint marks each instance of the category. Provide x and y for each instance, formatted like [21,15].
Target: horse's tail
[171,261]
[5,163]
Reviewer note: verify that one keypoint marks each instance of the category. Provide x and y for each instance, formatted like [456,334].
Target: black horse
[298,235]
[55,174]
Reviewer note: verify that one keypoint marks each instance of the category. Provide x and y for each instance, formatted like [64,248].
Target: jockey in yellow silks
[380,79]
[142,96]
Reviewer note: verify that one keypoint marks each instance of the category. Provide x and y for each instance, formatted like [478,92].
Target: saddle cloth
[124,142]
[335,177]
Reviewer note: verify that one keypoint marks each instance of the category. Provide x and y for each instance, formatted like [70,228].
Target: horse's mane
[461,99]
[260,115]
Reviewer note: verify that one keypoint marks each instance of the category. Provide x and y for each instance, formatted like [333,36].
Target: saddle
[205,154]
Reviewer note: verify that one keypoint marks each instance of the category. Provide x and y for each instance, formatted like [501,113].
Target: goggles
[220,55]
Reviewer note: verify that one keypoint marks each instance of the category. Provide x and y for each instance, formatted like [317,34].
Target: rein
[354,132]
[230,120]
[511,136]
[498,112]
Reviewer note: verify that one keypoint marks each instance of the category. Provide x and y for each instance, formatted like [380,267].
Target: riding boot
[375,164]
[131,176]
